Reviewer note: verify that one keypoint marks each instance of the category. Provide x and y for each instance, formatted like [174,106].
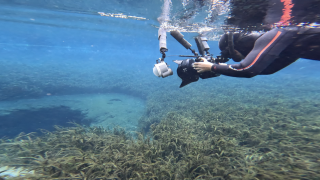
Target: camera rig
[185,70]
[202,45]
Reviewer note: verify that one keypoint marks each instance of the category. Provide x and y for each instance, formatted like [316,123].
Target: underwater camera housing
[185,68]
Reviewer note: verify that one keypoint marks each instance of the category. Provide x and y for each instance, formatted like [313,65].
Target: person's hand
[202,67]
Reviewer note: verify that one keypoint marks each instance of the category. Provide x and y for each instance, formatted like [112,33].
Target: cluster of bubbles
[203,17]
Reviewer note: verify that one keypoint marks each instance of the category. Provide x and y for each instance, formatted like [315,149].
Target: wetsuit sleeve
[266,49]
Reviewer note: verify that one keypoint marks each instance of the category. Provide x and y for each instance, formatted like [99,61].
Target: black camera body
[188,74]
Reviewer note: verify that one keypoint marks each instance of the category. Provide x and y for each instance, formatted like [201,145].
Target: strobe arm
[162,37]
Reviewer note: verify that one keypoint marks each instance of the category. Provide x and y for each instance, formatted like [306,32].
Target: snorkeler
[267,53]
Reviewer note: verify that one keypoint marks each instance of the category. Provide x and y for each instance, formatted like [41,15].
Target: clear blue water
[61,62]
[56,48]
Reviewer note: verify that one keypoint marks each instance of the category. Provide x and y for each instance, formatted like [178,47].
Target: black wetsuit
[279,47]
[274,51]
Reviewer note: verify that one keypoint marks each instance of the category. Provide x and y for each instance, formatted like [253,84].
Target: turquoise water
[67,59]
[57,48]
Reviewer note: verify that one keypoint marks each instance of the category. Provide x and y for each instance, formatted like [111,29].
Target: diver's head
[242,44]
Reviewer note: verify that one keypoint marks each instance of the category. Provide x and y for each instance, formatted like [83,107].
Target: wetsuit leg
[266,49]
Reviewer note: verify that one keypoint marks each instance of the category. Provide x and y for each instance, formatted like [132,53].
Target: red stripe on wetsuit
[286,16]
[261,52]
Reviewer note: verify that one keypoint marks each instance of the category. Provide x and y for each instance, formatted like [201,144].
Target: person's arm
[265,51]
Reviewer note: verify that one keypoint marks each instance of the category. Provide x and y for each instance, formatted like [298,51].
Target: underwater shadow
[32,120]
